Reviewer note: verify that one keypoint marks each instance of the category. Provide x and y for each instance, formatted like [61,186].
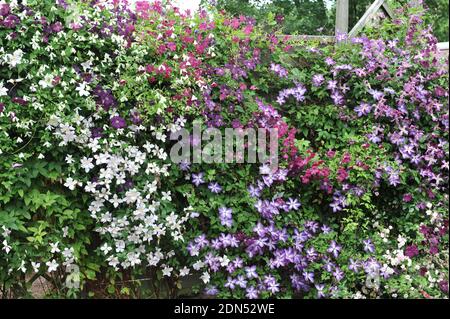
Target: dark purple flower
[11,21]
[117,122]
[424,230]
[4,9]
[57,27]
[19,100]
[434,249]
[96,132]
[105,98]
[136,118]
[423,271]
[279,18]
[407,198]
[411,251]
[443,285]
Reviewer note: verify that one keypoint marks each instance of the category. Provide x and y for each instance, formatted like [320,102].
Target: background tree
[438,17]
[318,16]
[298,16]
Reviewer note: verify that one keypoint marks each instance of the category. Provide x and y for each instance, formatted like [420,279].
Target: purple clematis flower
[251,272]
[231,283]
[334,249]
[368,246]
[318,80]
[308,276]
[215,188]
[325,229]
[211,290]
[226,216]
[293,204]
[251,293]
[363,109]
[320,291]
[241,281]
[354,265]
[254,191]
[338,274]
[197,179]
[185,165]
[117,122]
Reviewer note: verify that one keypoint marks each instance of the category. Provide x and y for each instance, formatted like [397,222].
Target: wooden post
[368,15]
[341,16]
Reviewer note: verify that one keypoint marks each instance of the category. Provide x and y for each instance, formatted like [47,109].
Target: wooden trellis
[342,18]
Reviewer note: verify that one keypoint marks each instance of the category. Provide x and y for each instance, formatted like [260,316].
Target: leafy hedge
[90,92]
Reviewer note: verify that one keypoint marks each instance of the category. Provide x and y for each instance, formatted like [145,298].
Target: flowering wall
[91,200]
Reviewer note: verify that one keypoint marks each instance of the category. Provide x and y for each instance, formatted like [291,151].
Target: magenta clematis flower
[407,198]
[4,9]
[411,251]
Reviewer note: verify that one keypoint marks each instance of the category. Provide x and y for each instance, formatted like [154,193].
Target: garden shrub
[90,94]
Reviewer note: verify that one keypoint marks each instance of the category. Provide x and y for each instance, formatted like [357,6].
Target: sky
[193,4]
[183,4]
[188,4]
